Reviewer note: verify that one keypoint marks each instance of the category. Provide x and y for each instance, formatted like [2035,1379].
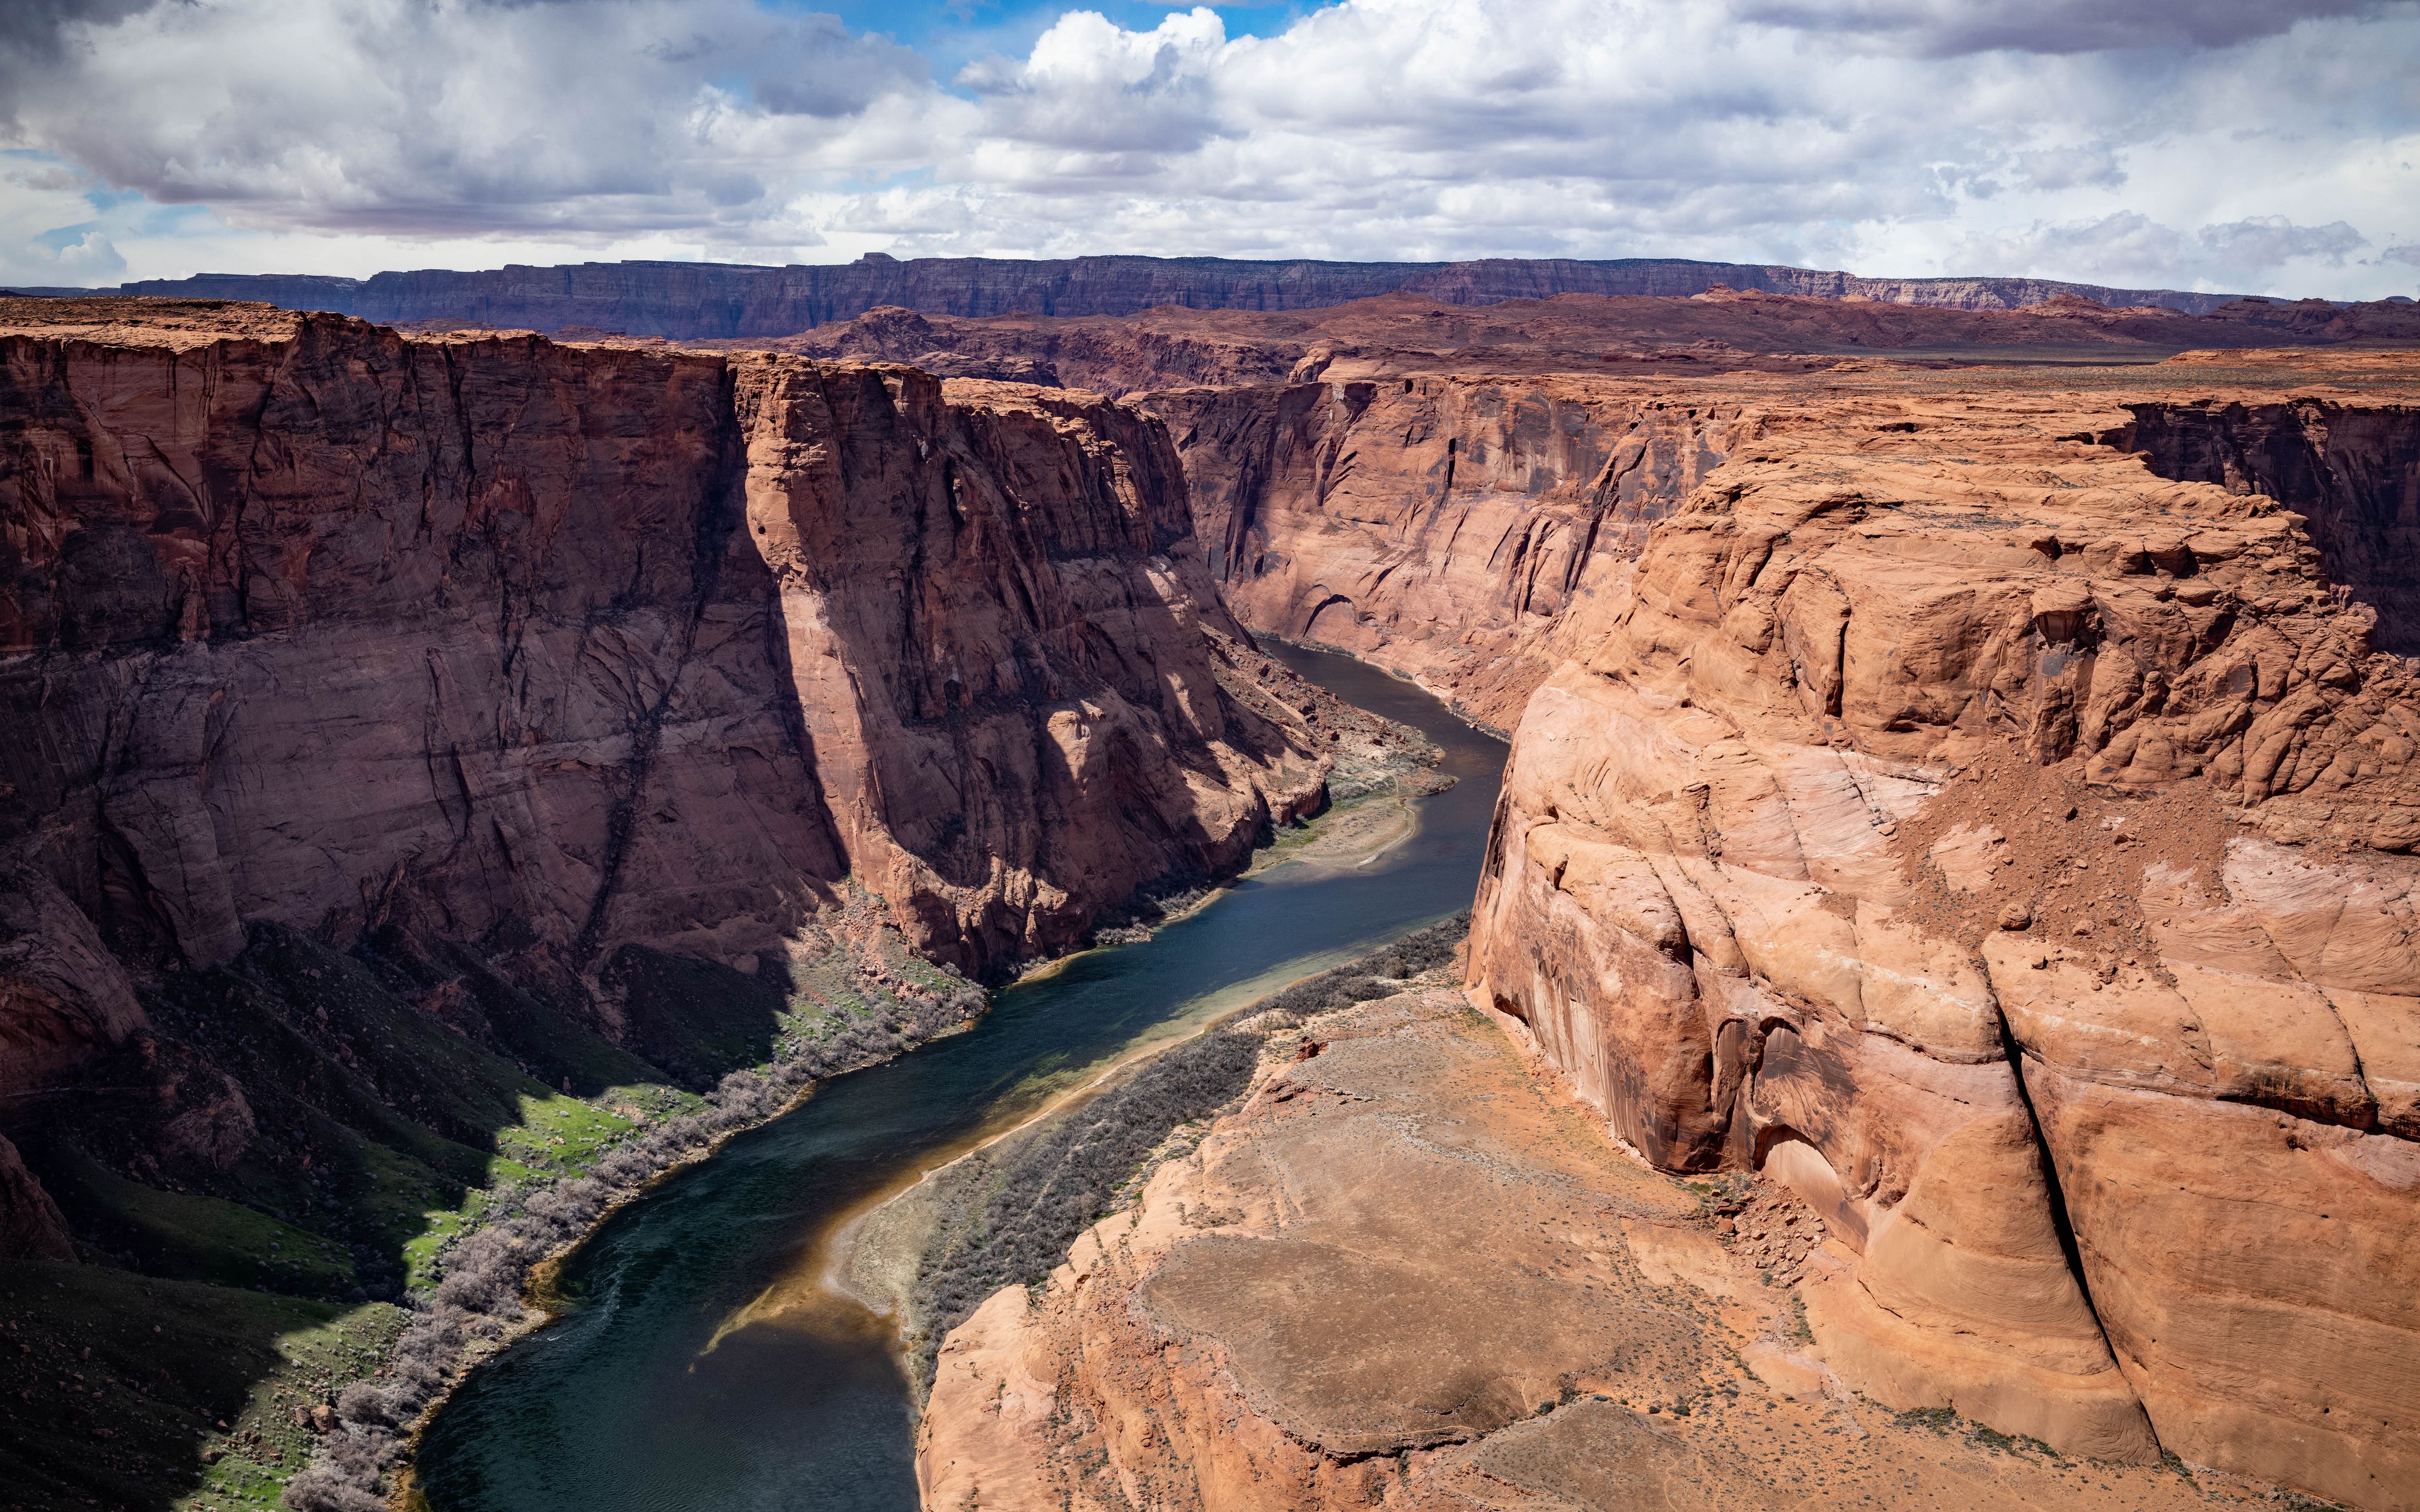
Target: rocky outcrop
[1402,1274]
[714,300]
[2004,848]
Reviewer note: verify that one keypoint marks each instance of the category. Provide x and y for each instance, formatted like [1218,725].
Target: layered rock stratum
[686,301]
[313,623]
[599,665]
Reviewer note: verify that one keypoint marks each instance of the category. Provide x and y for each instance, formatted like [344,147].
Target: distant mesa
[705,301]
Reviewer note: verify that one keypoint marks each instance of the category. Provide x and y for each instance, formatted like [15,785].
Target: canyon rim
[1425,755]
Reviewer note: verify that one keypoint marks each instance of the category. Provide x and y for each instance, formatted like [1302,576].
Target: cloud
[90,259]
[1951,28]
[426,116]
[2226,145]
[2094,165]
[2271,240]
[2408,253]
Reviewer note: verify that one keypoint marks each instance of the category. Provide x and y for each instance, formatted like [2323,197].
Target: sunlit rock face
[2005,844]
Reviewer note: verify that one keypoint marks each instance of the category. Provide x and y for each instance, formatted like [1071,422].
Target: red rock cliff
[2007,848]
[1436,525]
[561,649]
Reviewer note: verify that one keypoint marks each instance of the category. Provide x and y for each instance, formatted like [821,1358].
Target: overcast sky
[2264,146]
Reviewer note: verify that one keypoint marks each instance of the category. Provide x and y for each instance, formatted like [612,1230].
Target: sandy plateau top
[182,324]
[1781,349]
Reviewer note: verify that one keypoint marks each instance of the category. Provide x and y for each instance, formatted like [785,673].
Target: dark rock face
[2353,472]
[718,300]
[564,650]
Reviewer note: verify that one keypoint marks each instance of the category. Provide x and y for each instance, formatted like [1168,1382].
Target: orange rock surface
[1949,789]
[1409,1274]
[1975,798]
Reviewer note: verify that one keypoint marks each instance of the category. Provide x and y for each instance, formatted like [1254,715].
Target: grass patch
[372,1122]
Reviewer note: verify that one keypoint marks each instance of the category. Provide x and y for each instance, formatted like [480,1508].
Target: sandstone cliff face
[1436,526]
[325,625]
[2007,848]
[557,650]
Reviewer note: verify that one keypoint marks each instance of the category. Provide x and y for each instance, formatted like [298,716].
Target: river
[642,1397]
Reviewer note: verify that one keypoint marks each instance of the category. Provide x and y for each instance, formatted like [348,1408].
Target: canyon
[432,763]
[1937,1018]
[1974,797]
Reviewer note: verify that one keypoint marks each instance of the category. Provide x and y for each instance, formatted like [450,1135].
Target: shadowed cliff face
[566,653]
[1437,526]
[2352,472]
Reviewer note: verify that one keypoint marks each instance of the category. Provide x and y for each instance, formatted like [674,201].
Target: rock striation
[1437,525]
[566,651]
[1999,836]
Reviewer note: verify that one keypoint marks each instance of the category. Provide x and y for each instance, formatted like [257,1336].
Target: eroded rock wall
[555,651]
[1436,526]
[614,646]
[2007,848]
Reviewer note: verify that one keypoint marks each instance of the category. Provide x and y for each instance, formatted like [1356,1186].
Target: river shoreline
[875,1256]
[1343,834]
[1362,844]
